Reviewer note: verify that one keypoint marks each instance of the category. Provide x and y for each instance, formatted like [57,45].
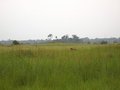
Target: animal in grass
[73,49]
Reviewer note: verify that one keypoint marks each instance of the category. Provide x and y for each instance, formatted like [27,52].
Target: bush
[104,42]
[15,42]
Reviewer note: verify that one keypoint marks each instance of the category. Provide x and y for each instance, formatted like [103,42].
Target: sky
[35,19]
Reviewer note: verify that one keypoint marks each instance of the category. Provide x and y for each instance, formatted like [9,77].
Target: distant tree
[56,37]
[50,36]
[65,37]
[75,37]
[15,42]
[104,42]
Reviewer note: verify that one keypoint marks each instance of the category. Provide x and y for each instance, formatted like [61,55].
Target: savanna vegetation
[58,67]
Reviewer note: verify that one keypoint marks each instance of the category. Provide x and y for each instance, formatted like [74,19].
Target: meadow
[56,67]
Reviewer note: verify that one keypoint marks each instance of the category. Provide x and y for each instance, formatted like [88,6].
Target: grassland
[56,67]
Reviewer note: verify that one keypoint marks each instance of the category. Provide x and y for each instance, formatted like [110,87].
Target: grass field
[56,67]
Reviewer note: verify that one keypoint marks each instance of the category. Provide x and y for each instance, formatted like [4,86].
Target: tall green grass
[56,67]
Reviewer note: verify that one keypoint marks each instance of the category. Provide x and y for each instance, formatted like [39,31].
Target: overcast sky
[35,19]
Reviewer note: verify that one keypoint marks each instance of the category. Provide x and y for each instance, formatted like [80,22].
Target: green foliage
[56,67]
[50,36]
[75,37]
[65,37]
[104,42]
[15,42]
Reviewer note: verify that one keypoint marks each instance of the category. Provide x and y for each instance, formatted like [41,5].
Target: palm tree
[50,36]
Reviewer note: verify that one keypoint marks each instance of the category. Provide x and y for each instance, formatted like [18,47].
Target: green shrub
[15,42]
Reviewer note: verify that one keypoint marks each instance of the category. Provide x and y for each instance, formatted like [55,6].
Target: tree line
[64,39]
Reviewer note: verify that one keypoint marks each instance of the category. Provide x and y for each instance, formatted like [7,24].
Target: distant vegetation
[67,39]
[58,66]
[104,42]
[15,42]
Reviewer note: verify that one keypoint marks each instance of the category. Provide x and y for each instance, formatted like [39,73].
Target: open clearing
[57,67]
